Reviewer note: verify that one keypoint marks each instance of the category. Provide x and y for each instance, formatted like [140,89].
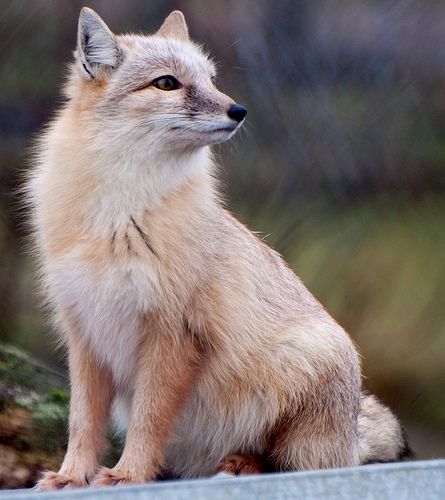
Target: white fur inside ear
[96,45]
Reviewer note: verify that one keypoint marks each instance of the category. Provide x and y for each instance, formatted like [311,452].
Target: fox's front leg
[91,395]
[166,371]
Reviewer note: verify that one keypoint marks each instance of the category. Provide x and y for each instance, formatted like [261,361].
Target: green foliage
[59,396]
[17,368]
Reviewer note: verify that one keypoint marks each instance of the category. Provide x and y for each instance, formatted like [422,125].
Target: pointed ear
[97,48]
[174,26]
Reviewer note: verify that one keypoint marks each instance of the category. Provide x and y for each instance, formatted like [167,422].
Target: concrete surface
[423,480]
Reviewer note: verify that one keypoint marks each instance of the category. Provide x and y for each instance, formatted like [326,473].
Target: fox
[181,325]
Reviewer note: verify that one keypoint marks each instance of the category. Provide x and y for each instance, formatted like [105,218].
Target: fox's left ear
[98,51]
[174,26]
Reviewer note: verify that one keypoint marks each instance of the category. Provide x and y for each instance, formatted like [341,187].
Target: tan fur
[207,342]
[169,364]
[239,465]
[380,435]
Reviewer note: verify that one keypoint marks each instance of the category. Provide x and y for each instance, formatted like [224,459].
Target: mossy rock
[34,404]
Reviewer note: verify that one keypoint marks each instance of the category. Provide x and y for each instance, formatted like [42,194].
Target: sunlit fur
[205,340]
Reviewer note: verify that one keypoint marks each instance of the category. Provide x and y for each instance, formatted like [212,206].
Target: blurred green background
[341,164]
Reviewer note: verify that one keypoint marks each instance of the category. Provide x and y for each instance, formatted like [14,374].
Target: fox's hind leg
[240,464]
[320,436]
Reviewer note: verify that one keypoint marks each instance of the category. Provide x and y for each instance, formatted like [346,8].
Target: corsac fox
[206,348]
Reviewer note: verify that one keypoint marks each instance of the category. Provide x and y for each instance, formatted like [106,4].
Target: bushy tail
[381,437]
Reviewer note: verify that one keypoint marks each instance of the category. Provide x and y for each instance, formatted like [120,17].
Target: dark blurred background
[341,164]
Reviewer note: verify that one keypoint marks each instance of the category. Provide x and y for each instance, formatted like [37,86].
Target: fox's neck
[131,187]
[98,191]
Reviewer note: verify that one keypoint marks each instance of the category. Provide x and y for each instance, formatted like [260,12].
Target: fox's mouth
[206,135]
[227,129]
[221,129]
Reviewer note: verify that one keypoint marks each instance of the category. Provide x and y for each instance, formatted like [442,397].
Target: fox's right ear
[98,51]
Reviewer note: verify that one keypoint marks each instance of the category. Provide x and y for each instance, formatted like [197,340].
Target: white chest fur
[106,302]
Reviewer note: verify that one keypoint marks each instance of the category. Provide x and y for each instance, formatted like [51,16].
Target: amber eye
[167,82]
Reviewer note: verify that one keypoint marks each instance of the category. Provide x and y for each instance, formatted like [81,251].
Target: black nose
[237,112]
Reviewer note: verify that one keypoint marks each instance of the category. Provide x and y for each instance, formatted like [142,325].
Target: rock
[33,419]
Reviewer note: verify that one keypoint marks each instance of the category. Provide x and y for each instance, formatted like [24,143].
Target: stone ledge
[423,480]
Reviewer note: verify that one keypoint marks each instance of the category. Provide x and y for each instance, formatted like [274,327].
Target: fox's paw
[56,481]
[240,464]
[112,477]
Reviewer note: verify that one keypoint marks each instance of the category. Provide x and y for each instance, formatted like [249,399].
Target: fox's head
[155,90]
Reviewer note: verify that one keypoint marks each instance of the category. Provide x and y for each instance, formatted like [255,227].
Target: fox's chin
[219,135]
[207,137]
